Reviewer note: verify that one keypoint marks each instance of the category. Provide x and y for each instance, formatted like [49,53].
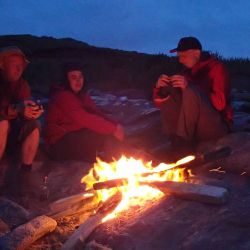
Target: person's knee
[36,132]
[4,127]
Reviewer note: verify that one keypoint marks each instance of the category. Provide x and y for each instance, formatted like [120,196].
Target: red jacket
[69,112]
[11,94]
[211,77]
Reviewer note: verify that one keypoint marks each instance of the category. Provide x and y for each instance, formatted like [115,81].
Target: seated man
[75,129]
[195,104]
[19,128]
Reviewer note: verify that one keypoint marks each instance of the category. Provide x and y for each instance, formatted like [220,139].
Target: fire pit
[129,176]
[136,184]
[122,190]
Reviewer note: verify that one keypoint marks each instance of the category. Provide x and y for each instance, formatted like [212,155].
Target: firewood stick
[66,202]
[110,183]
[189,191]
[197,161]
[76,240]
[24,235]
[86,205]
[198,192]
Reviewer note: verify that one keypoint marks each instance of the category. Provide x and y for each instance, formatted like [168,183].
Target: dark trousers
[85,145]
[190,115]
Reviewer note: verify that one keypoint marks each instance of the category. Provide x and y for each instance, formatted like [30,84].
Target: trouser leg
[170,112]
[198,119]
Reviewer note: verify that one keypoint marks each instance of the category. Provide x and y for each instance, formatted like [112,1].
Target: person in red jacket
[75,129]
[19,127]
[196,103]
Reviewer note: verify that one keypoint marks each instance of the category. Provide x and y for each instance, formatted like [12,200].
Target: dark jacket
[69,112]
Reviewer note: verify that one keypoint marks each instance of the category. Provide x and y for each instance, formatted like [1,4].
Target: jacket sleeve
[220,86]
[78,117]
[90,105]
[92,108]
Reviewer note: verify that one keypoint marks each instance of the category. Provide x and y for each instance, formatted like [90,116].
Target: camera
[164,92]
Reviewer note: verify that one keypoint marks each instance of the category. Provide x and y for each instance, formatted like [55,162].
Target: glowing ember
[135,172]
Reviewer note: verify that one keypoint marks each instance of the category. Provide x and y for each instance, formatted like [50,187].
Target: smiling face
[76,80]
[189,57]
[13,68]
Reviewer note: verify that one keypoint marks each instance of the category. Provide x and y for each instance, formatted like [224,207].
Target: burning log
[110,184]
[196,161]
[24,235]
[189,191]
[199,159]
[77,239]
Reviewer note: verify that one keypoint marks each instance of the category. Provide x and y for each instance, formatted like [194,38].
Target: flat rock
[12,213]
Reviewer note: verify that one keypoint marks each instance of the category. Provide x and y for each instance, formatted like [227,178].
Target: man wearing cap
[197,105]
[18,113]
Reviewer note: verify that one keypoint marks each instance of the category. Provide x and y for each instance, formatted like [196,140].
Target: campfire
[132,178]
[125,184]
[118,188]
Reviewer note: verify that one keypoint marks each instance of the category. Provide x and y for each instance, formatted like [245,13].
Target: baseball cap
[187,43]
[10,51]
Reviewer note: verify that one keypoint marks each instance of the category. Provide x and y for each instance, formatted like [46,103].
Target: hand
[162,81]
[179,81]
[32,110]
[119,133]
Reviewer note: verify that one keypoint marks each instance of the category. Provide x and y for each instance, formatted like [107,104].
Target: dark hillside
[104,68]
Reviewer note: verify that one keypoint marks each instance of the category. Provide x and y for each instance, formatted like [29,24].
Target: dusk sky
[150,26]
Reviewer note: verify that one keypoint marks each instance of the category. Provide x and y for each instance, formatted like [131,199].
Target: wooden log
[67,202]
[76,240]
[86,205]
[24,235]
[198,160]
[189,191]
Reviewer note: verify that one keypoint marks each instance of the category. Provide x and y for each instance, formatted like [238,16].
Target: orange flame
[135,171]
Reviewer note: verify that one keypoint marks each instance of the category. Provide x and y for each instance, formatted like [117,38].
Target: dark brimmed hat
[10,51]
[187,43]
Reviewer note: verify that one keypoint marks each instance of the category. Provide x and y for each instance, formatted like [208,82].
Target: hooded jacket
[68,112]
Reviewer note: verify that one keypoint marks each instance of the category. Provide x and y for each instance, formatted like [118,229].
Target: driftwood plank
[76,240]
[86,205]
[24,235]
[66,202]
[190,191]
